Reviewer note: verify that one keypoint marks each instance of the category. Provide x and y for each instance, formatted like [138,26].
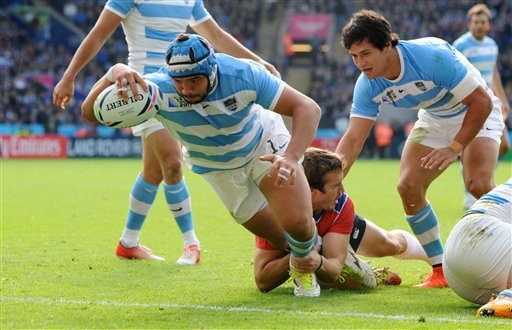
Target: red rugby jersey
[339,220]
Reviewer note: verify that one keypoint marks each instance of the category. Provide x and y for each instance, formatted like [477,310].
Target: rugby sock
[301,249]
[178,200]
[141,199]
[425,226]
[414,249]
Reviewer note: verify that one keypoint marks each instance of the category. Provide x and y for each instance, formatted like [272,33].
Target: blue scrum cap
[189,55]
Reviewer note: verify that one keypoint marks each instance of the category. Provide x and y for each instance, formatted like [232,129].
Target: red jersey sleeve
[340,220]
[263,244]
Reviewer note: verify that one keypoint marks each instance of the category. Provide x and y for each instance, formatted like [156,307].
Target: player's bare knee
[152,175]
[172,169]
[479,187]
[409,192]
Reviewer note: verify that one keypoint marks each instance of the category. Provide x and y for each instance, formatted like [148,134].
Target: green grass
[60,221]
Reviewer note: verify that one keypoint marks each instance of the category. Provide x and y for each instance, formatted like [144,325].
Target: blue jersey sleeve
[199,13]
[448,68]
[362,104]
[120,7]
[268,88]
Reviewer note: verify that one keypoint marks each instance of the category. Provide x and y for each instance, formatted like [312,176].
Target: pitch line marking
[245,309]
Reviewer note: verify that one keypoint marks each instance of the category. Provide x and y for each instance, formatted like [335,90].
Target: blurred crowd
[333,78]
[31,62]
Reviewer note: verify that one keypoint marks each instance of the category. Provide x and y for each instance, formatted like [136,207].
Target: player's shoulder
[424,45]
[237,66]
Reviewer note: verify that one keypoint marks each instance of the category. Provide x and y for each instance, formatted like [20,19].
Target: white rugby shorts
[477,261]
[436,133]
[239,188]
[147,128]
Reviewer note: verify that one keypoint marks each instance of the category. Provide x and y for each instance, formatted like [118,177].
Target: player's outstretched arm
[226,43]
[352,142]
[102,30]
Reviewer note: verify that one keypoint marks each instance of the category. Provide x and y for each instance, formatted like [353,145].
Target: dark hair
[317,164]
[367,24]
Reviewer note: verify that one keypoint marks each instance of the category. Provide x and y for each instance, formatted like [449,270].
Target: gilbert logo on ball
[113,111]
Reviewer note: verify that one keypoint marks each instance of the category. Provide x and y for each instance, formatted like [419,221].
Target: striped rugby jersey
[482,54]
[151,25]
[497,202]
[223,131]
[434,76]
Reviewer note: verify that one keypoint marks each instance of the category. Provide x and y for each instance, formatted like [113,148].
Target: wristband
[110,74]
[456,146]
[321,263]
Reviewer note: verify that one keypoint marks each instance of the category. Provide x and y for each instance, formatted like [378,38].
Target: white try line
[250,310]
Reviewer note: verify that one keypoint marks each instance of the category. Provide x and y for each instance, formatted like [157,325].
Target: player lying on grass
[478,258]
[342,232]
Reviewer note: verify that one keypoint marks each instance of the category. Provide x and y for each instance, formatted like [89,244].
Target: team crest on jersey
[231,104]
[421,86]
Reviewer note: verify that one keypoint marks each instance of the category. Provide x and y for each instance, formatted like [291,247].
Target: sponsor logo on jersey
[231,104]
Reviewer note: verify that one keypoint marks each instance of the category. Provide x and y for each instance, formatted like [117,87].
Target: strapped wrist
[456,146]
[110,74]
[321,263]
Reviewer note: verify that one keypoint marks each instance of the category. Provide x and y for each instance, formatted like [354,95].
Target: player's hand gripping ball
[111,110]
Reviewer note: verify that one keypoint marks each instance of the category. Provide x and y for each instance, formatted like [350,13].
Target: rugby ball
[111,110]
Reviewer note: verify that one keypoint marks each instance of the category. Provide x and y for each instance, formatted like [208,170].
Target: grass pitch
[61,219]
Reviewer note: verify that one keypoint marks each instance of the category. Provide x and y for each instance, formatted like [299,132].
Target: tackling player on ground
[342,233]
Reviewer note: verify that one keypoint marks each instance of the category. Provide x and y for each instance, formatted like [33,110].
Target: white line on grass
[249,309]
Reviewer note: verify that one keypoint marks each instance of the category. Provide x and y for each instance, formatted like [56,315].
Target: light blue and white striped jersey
[151,25]
[223,131]
[482,54]
[497,202]
[434,76]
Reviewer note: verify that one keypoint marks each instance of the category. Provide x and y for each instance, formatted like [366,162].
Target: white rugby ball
[111,110]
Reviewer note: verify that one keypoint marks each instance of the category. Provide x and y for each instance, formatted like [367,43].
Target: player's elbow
[264,286]
[88,112]
[487,104]
[316,111]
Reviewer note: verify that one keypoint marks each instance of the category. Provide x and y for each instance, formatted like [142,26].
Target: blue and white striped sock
[425,226]
[301,249]
[142,198]
[178,200]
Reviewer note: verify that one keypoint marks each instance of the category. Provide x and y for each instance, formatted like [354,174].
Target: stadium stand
[38,39]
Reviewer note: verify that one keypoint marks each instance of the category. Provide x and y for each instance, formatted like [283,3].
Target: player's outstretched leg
[141,199]
[178,200]
[358,269]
